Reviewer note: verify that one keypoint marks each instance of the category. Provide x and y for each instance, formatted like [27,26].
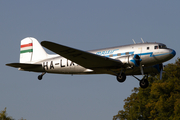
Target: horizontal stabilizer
[25,66]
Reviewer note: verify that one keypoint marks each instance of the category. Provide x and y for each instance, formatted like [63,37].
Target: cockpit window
[162,47]
[155,47]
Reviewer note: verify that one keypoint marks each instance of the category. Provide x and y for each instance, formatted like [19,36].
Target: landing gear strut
[41,76]
[143,82]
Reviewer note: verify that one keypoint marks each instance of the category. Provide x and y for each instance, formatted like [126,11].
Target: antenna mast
[133,41]
[142,40]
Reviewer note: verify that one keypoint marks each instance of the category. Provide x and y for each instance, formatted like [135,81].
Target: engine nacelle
[131,60]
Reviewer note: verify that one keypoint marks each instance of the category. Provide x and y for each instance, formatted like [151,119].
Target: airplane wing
[24,66]
[83,58]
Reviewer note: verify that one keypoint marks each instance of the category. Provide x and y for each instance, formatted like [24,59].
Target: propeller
[161,74]
[161,70]
[137,60]
[142,71]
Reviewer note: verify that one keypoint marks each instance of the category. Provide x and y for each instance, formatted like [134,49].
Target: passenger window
[155,47]
[147,48]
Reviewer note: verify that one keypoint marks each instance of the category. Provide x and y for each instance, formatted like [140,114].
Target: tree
[3,115]
[160,101]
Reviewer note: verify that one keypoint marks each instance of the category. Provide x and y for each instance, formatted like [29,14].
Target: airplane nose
[173,53]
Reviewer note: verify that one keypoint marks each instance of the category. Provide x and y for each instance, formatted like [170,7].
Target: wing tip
[9,64]
[44,43]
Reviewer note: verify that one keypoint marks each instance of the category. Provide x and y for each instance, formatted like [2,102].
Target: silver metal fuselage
[151,54]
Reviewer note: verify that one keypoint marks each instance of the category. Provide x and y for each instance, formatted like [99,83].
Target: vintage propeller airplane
[135,59]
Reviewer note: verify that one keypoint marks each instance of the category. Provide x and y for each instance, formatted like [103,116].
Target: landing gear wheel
[40,77]
[144,83]
[121,77]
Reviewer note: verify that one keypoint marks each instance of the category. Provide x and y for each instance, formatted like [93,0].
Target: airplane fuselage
[150,54]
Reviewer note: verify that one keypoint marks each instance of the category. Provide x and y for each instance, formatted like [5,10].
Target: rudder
[31,51]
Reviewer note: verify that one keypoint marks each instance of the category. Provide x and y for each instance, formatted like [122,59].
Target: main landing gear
[121,77]
[41,76]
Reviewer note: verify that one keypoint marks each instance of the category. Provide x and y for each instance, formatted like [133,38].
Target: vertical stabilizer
[31,51]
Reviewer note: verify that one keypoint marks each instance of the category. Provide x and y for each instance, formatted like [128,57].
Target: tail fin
[31,51]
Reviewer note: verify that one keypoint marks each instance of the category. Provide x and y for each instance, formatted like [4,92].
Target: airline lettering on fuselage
[106,52]
[51,65]
[72,63]
[61,63]
[45,65]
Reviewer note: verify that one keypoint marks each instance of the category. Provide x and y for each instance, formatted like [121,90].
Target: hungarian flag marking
[26,48]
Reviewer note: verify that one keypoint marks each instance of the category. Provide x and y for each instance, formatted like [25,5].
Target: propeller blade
[161,70]
[161,74]
[142,71]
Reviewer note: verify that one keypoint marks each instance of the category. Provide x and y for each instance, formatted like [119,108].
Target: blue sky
[85,25]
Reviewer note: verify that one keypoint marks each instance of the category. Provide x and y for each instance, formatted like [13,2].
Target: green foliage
[3,115]
[160,101]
